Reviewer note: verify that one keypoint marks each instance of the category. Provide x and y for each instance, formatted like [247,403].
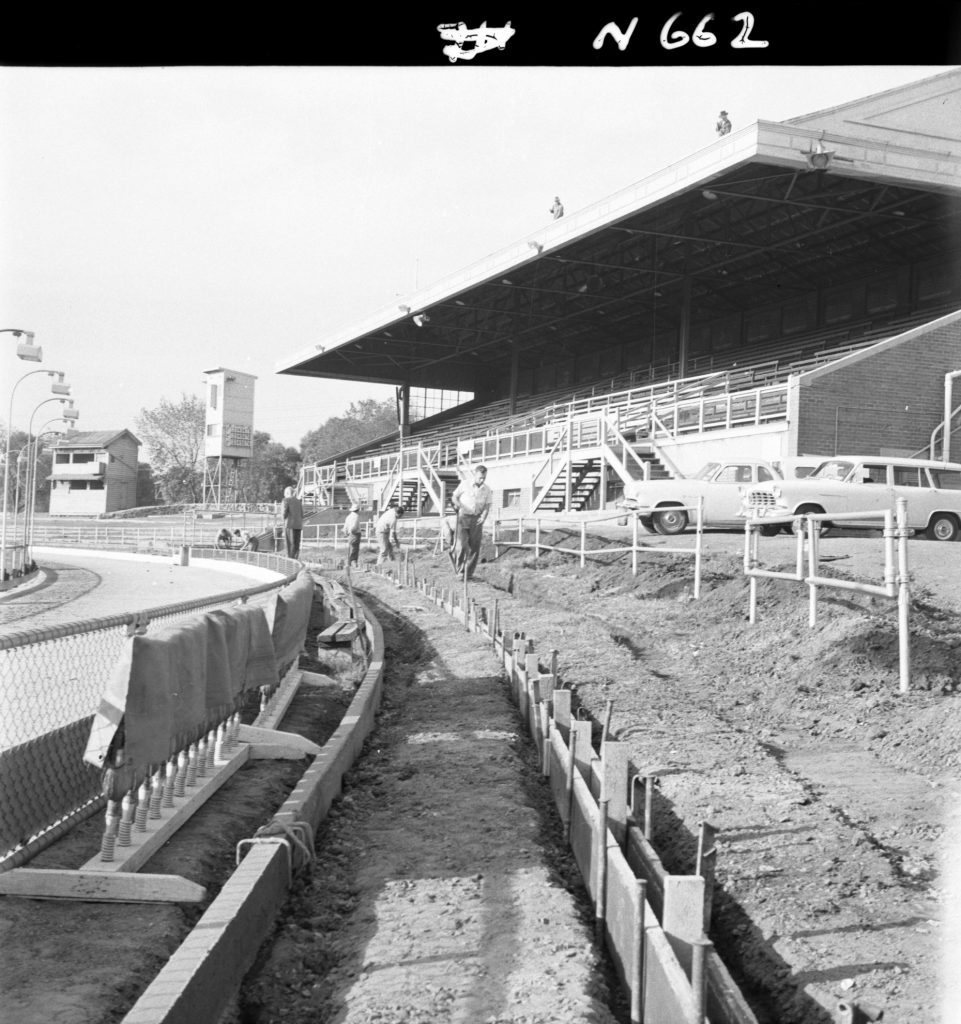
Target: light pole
[57,388]
[23,456]
[69,413]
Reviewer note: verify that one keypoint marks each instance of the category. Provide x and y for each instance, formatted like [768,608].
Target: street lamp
[68,413]
[26,350]
[58,387]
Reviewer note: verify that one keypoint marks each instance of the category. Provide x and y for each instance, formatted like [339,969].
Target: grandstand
[793,288]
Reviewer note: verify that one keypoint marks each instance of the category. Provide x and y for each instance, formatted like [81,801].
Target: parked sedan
[869,484]
[667,506]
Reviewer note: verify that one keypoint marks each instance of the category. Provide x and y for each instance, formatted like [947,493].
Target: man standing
[723,126]
[293,522]
[387,534]
[557,210]
[352,529]
[472,499]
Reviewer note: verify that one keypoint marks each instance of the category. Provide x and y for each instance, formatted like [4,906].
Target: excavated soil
[442,890]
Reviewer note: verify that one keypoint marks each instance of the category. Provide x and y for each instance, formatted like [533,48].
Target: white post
[583,540]
[537,538]
[697,547]
[634,545]
[810,530]
[904,597]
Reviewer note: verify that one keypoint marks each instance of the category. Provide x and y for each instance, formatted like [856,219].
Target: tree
[270,469]
[363,421]
[146,485]
[173,433]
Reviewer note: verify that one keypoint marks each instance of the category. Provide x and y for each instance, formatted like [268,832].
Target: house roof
[94,439]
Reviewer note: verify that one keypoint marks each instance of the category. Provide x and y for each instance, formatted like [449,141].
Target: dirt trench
[443,889]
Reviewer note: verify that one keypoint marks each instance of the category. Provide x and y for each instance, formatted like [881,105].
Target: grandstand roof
[744,222]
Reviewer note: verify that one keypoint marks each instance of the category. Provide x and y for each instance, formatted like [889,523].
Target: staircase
[405,494]
[585,475]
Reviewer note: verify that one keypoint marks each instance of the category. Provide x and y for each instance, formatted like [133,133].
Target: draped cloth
[288,613]
[170,687]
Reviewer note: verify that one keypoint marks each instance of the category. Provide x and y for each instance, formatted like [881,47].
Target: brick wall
[891,399]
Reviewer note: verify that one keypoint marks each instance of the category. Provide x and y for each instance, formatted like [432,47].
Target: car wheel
[943,526]
[814,510]
[647,522]
[670,520]
[771,530]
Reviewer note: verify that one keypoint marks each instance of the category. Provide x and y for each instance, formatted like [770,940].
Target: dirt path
[832,793]
[442,890]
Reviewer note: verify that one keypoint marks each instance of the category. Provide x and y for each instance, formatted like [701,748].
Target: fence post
[697,547]
[634,545]
[636,976]
[583,540]
[904,597]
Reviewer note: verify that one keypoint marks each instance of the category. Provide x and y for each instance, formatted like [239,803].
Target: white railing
[896,585]
[527,532]
[719,412]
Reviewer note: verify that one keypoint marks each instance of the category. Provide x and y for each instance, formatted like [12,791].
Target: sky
[159,222]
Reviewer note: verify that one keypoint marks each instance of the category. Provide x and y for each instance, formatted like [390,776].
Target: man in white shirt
[352,530]
[387,534]
[472,499]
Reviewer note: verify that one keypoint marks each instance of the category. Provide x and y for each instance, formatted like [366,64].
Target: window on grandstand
[213,430]
[83,456]
[425,402]
[881,294]
[936,283]
[511,498]
[213,396]
[96,485]
[799,315]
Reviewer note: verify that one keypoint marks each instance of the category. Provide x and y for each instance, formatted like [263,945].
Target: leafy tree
[146,485]
[178,485]
[270,469]
[21,461]
[363,421]
[173,433]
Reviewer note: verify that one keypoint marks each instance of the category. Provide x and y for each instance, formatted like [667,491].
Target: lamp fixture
[537,246]
[708,194]
[421,318]
[818,158]
[26,350]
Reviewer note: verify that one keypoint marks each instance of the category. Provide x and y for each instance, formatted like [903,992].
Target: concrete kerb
[205,972]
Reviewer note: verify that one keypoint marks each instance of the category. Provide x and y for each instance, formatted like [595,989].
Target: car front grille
[760,499]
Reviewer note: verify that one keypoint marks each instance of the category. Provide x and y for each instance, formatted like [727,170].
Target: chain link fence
[51,683]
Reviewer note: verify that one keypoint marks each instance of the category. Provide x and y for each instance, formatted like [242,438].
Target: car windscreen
[706,472]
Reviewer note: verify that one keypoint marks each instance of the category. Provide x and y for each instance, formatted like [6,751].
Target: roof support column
[684,333]
[513,390]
